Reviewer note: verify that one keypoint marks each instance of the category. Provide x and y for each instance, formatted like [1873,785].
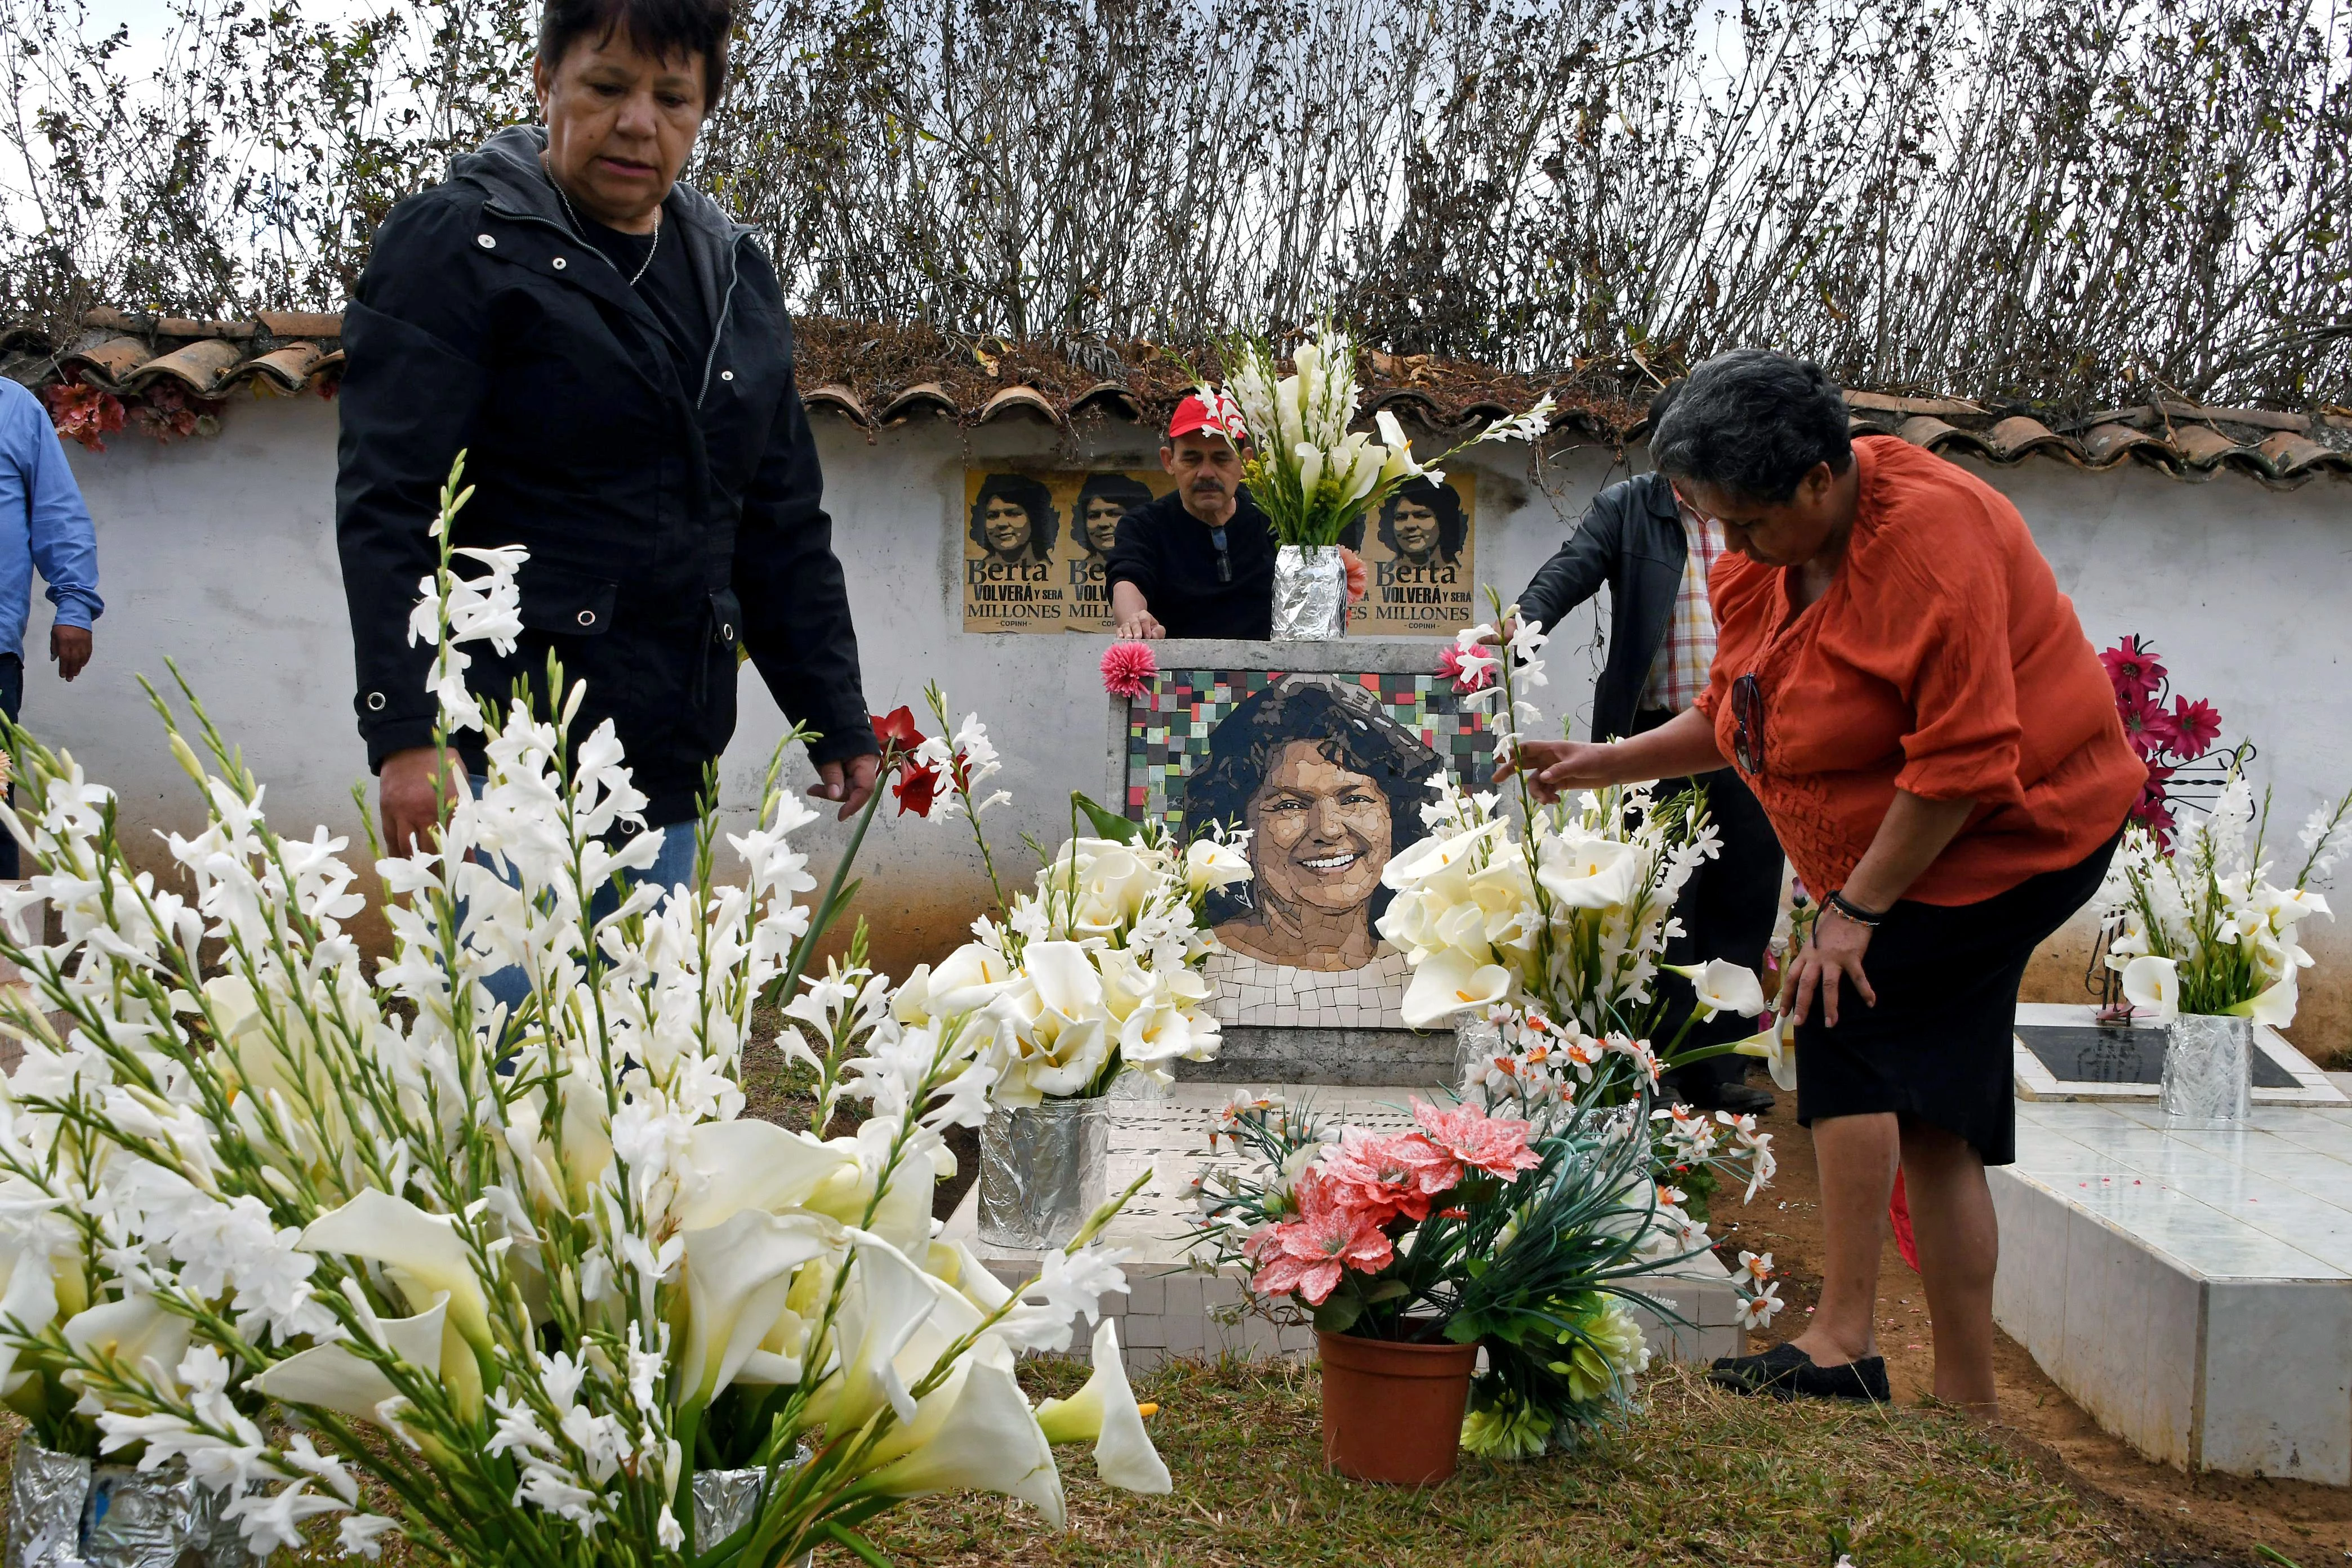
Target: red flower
[917,789]
[2132,666]
[2195,726]
[83,413]
[918,784]
[896,729]
[1128,668]
[2152,813]
[2148,727]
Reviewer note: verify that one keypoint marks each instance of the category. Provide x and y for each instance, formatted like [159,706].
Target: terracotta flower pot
[1391,1412]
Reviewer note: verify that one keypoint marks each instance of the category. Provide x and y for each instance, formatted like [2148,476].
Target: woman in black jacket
[611,353]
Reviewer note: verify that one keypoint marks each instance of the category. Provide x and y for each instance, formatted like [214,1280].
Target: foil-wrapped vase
[162,1518]
[1310,593]
[1044,1170]
[47,1494]
[727,1500]
[64,1512]
[2209,1071]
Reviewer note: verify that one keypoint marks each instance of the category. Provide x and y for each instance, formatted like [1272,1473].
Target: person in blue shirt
[43,524]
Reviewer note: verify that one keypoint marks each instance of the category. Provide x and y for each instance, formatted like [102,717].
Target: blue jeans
[674,865]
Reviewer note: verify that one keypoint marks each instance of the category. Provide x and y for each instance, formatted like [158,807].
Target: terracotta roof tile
[875,375]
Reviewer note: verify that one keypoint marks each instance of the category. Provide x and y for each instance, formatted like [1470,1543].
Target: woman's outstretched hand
[1554,766]
[1834,950]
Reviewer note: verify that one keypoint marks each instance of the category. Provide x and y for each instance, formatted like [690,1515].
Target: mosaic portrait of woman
[1329,787]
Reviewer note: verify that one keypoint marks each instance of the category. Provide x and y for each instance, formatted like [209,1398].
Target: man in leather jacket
[1638,540]
[611,353]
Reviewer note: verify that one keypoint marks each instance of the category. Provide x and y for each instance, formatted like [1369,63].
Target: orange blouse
[1942,660]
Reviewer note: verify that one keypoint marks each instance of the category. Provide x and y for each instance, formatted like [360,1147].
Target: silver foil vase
[1477,1040]
[1310,593]
[727,1500]
[47,1494]
[2209,1070]
[1044,1170]
[158,1519]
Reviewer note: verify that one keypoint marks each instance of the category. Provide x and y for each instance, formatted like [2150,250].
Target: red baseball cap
[1193,416]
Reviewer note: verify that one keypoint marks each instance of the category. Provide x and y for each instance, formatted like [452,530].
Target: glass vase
[1044,1170]
[1477,1040]
[2209,1071]
[1310,593]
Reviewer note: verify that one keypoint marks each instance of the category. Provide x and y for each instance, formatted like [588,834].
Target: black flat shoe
[1784,1372]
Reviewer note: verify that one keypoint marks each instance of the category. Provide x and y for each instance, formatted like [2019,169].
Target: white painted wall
[220,552]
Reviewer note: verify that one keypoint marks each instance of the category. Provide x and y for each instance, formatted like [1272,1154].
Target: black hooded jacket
[668,524]
[1632,539]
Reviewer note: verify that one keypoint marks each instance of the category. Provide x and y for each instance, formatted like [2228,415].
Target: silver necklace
[582,231]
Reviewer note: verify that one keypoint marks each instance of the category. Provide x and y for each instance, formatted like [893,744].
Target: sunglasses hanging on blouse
[1748,724]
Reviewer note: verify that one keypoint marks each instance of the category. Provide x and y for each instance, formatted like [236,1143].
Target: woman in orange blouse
[1912,701]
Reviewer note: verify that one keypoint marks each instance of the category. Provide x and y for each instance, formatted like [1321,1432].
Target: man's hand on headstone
[70,649]
[1142,626]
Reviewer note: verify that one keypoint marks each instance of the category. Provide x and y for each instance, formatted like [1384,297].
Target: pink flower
[1468,671]
[1128,668]
[2197,726]
[1310,1255]
[2148,727]
[2132,667]
[1495,1144]
[1387,1178]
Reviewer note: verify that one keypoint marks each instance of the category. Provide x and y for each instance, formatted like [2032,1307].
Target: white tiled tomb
[2192,1291]
[1176,1309]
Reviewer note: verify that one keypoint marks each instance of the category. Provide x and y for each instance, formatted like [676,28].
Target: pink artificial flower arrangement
[2168,739]
[1529,1237]
[1346,1204]
[1128,668]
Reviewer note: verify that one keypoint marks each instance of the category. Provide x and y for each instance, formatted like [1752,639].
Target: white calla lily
[1450,982]
[738,1274]
[1105,1412]
[886,1300]
[748,1164]
[1777,1047]
[2152,985]
[136,1332]
[1723,987]
[2273,1006]
[1594,874]
[421,1252]
[28,1298]
[975,1433]
[332,1377]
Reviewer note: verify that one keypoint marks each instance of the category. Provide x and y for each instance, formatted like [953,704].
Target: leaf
[1339,1313]
[1387,1291]
[1108,824]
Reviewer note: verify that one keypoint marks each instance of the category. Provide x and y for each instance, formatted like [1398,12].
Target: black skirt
[1938,1045]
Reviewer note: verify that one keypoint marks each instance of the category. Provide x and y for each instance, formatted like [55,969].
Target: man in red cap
[1198,561]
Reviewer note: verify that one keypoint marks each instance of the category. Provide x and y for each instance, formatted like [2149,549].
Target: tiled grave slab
[1176,1309]
[2191,1289]
[2063,1052]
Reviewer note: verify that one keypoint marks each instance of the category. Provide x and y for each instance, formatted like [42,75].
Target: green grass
[1701,1477]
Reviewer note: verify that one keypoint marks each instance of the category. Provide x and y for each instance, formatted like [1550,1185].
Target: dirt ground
[2179,1518]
